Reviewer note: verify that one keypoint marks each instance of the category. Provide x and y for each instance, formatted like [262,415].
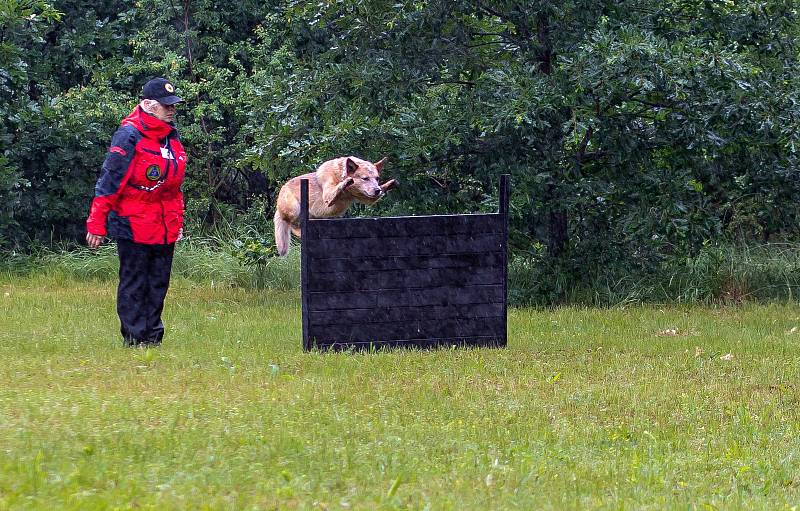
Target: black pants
[144,272]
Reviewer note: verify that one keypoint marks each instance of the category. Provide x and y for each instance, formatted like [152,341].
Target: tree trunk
[558,229]
[557,242]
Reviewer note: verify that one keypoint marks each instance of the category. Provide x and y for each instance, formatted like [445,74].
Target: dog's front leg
[388,185]
[385,187]
[330,196]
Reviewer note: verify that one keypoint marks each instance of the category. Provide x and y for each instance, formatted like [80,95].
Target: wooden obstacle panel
[416,281]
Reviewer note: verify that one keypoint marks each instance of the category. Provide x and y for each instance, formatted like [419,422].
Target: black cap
[161,90]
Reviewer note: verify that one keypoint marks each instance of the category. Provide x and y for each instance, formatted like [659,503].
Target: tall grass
[738,273]
[209,259]
[723,273]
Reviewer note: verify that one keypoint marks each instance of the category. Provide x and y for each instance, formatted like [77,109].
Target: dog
[334,186]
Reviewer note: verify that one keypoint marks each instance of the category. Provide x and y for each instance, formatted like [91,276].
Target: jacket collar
[148,125]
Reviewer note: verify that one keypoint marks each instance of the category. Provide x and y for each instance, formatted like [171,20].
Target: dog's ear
[379,164]
[349,167]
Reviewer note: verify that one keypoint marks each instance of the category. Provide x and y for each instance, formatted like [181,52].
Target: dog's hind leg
[296,230]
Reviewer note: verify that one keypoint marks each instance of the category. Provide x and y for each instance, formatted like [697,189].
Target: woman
[138,202]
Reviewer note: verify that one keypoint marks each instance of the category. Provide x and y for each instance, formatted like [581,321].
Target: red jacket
[138,195]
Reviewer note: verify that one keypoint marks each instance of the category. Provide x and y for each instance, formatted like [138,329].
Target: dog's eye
[365,178]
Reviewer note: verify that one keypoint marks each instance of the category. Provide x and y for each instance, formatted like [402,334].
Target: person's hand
[93,240]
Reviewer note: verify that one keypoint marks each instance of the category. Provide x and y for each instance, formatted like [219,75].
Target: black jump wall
[418,281]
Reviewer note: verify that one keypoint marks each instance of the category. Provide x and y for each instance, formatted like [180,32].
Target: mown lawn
[635,408]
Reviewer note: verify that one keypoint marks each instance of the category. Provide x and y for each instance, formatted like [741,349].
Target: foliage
[21,22]
[636,132]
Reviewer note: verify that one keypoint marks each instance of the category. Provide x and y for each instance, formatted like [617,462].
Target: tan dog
[332,189]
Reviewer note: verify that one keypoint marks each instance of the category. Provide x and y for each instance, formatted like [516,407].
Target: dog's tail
[281,234]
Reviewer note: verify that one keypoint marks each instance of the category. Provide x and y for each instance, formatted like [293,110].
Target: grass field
[625,408]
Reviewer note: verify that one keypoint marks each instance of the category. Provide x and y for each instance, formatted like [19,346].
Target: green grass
[210,261]
[625,408]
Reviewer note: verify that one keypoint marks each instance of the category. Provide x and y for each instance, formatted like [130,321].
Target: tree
[21,22]
[612,117]
[635,131]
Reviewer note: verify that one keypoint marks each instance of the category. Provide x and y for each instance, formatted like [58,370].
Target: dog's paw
[388,185]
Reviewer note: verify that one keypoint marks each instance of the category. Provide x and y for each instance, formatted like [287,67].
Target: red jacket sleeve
[114,175]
